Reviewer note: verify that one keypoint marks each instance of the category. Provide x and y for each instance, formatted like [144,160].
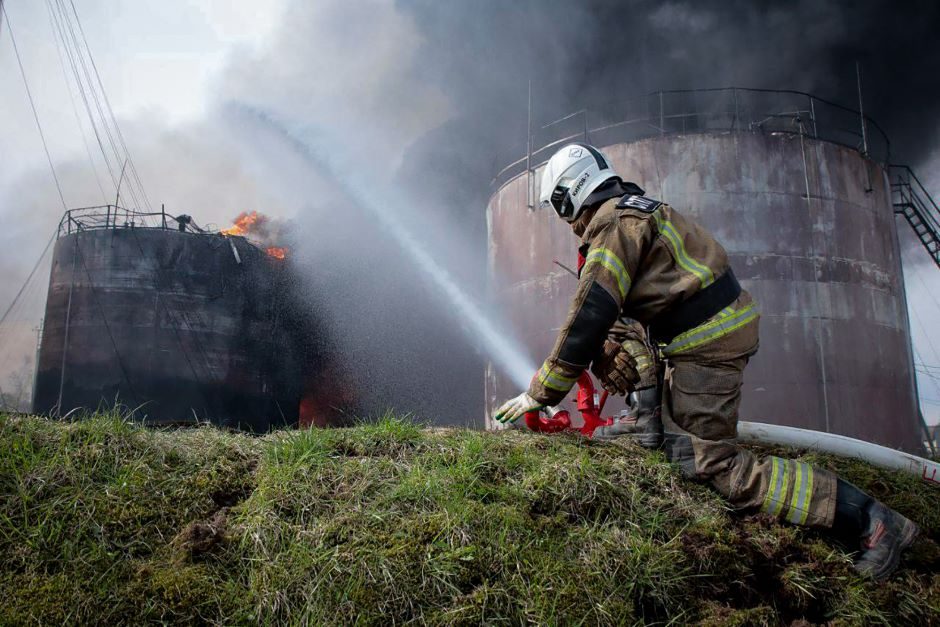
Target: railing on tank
[912,200]
[684,111]
[116,217]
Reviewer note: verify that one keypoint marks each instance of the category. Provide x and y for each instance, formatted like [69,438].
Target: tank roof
[693,111]
[117,217]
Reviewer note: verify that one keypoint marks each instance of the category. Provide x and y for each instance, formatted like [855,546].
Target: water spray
[385,207]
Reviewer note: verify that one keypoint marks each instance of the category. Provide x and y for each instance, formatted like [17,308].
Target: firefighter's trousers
[701,395]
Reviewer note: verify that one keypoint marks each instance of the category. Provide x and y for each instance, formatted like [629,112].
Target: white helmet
[569,178]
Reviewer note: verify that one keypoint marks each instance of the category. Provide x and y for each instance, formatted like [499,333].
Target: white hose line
[874,454]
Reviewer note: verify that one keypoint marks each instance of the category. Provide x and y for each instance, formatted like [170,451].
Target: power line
[110,110]
[88,79]
[925,369]
[81,53]
[916,272]
[69,29]
[81,90]
[935,381]
[28,279]
[929,375]
[68,86]
[930,343]
[19,314]
[32,105]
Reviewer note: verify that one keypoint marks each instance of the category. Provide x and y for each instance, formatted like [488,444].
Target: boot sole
[908,534]
[649,441]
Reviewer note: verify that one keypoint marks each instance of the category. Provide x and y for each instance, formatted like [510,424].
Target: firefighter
[645,260]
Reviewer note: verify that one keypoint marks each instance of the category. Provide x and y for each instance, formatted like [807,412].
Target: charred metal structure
[150,312]
[799,191]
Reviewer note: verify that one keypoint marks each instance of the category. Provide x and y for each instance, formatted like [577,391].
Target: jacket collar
[602,194]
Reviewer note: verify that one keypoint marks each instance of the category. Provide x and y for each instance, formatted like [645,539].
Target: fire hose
[591,407]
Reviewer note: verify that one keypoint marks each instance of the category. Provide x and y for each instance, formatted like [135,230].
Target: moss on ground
[104,522]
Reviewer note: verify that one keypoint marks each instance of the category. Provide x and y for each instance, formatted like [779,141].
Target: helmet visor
[560,199]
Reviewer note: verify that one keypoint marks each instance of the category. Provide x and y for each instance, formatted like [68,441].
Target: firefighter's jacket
[643,260]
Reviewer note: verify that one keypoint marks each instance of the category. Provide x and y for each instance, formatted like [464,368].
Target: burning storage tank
[175,322]
[797,191]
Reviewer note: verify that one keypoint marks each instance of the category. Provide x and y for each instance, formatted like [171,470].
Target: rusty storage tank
[796,189]
[182,325]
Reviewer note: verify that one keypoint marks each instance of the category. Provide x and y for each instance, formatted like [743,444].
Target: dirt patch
[200,538]
[231,496]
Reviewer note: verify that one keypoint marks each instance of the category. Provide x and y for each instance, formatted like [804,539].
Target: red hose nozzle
[561,421]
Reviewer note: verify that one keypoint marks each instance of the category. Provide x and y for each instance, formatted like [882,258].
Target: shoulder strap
[642,203]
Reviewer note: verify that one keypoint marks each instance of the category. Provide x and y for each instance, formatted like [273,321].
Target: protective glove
[515,408]
[616,368]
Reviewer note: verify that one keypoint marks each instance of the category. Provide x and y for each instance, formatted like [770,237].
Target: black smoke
[593,53]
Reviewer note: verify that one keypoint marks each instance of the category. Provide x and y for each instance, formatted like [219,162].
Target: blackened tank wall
[168,322]
[825,269]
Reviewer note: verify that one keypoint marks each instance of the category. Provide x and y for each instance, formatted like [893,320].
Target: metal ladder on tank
[911,200]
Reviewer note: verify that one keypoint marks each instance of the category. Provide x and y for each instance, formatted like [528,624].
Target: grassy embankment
[104,522]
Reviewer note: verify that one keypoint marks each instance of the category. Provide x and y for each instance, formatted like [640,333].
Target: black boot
[645,427]
[882,533]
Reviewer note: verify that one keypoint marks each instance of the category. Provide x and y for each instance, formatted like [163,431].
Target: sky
[424,94]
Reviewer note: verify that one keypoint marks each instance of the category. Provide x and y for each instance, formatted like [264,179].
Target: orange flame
[258,226]
[243,223]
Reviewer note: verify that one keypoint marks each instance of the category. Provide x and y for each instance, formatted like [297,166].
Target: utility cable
[917,354]
[928,375]
[915,270]
[13,331]
[28,278]
[107,102]
[20,311]
[32,105]
[94,92]
[81,90]
[923,328]
[23,298]
[72,42]
[68,87]
[921,399]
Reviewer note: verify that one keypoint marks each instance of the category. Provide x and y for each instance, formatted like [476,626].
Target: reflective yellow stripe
[797,486]
[775,498]
[776,487]
[606,258]
[700,271]
[768,498]
[553,381]
[784,483]
[718,327]
[642,363]
[793,511]
[809,495]
[802,492]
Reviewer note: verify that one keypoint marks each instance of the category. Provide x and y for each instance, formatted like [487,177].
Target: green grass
[105,522]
